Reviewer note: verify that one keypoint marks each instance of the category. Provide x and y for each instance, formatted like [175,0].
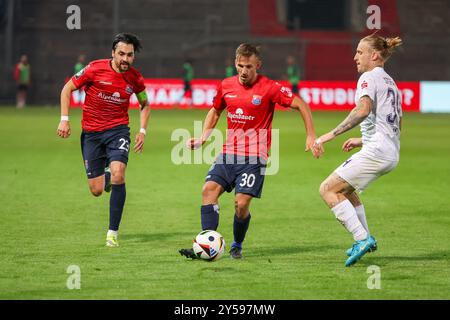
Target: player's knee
[210,192]
[241,208]
[326,193]
[323,189]
[96,192]
[117,177]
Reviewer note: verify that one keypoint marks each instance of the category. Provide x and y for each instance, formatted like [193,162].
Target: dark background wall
[208,32]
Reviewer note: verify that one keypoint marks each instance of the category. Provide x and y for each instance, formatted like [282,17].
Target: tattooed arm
[355,117]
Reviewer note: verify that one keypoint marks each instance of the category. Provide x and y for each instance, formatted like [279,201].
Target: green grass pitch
[295,249]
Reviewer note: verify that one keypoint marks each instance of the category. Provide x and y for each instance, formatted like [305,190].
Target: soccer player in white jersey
[378,111]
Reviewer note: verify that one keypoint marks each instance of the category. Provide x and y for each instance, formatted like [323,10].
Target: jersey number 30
[247,180]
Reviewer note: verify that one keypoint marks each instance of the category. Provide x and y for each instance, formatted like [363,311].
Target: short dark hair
[248,49]
[129,39]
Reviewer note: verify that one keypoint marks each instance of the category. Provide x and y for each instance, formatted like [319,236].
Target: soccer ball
[209,245]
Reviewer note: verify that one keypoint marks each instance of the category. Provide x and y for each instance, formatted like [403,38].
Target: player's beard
[123,66]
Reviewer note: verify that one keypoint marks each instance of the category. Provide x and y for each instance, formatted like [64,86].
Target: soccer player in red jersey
[105,139]
[249,100]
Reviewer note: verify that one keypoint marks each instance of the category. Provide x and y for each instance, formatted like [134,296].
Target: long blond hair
[385,46]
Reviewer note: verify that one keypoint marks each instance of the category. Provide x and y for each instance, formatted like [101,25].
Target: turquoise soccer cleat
[360,248]
[372,249]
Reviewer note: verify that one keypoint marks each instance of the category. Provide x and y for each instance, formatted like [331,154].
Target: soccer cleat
[236,253]
[360,248]
[111,241]
[108,184]
[188,253]
[350,250]
[372,249]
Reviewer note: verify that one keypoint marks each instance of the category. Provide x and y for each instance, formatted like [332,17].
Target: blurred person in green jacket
[188,75]
[22,75]
[293,74]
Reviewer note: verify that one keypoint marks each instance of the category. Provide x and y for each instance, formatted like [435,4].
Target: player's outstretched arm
[144,117]
[300,105]
[64,125]
[355,117]
[210,123]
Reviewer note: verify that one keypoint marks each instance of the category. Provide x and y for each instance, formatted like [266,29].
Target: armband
[142,96]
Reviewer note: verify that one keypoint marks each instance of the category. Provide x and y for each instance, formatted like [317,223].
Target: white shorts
[361,169]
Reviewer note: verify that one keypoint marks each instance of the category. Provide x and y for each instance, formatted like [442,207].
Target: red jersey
[107,94]
[250,113]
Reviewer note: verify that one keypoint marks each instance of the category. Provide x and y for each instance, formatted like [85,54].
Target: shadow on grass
[216,268]
[150,237]
[429,257]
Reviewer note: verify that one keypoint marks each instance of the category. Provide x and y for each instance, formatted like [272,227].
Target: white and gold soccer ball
[209,245]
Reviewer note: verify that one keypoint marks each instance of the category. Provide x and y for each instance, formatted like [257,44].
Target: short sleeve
[366,87]
[218,101]
[282,95]
[83,76]
[139,84]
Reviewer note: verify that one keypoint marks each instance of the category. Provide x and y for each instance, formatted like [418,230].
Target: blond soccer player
[378,111]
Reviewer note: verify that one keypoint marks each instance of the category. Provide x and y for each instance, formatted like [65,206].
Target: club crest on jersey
[129,89]
[256,100]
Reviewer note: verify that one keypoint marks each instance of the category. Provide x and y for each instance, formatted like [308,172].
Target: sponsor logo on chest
[239,116]
[114,98]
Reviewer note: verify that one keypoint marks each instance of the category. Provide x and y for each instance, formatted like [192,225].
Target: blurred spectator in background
[80,64]
[230,69]
[293,73]
[188,75]
[22,75]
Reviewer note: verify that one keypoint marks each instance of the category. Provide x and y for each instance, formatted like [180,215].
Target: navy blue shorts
[244,174]
[100,148]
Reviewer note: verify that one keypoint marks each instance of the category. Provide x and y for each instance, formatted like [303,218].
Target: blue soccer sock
[116,203]
[210,216]
[240,228]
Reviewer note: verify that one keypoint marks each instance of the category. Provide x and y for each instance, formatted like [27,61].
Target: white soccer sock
[361,213]
[346,214]
[112,232]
